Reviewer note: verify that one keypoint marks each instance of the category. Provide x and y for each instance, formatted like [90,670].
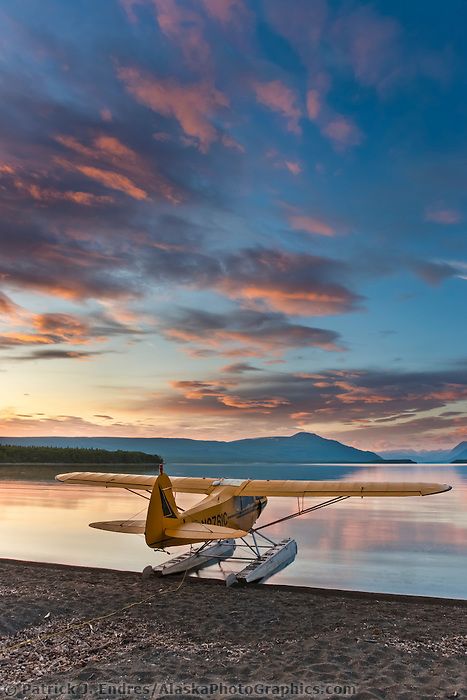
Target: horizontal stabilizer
[202,531]
[131,527]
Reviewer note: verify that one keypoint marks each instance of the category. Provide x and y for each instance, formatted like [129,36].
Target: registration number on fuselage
[219,519]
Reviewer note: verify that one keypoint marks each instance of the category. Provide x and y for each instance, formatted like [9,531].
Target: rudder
[162,511]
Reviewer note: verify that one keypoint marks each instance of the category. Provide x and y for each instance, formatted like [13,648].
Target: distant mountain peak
[459,451]
[304,434]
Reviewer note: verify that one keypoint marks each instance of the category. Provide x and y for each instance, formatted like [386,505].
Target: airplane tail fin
[162,511]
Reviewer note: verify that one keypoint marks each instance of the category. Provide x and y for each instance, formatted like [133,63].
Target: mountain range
[299,448]
[459,452]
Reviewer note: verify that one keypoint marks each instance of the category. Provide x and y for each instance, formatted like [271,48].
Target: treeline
[78,455]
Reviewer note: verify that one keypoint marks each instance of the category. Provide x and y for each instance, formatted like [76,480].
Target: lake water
[395,545]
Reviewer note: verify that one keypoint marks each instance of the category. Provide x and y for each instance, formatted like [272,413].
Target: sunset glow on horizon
[234,218]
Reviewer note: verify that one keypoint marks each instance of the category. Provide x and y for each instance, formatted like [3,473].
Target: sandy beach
[80,632]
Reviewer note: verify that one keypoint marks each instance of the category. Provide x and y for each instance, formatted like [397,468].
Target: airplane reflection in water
[390,545]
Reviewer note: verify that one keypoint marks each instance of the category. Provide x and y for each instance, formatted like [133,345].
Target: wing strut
[135,493]
[302,511]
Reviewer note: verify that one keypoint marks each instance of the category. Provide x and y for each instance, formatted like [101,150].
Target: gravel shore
[79,632]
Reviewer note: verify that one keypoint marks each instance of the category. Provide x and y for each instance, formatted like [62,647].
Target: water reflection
[400,545]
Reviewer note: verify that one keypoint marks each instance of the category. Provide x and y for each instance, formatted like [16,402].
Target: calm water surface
[400,545]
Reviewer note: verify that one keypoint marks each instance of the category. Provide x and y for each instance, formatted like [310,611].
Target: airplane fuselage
[237,512]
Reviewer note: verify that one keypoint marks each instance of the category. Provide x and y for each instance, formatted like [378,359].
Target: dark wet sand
[190,630]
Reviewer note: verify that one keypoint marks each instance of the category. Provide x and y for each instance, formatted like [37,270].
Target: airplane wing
[137,482]
[257,487]
[331,489]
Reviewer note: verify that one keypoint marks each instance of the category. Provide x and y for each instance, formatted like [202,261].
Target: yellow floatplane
[227,513]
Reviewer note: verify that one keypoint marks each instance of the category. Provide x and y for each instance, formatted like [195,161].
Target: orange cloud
[219,393]
[198,390]
[114,147]
[289,282]
[125,168]
[7,306]
[74,145]
[192,106]
[352,394]
[280,98]
[59,328]
[255,344]
[289,301]
[50,195]
[253,404]
[244,332]
[112,180]
[311,224]
[12,339]
[49,329]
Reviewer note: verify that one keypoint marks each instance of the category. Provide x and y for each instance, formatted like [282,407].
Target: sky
[234,218]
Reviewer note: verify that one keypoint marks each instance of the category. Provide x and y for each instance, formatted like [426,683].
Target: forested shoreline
[17,454]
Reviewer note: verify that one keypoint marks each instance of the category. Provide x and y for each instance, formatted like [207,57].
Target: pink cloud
[302,22]
[192,106]
[343,132]
[443,216]
[378,51]
[313,104]
[128,7]
[106,115]
[224,11]
[230,142]
[186,28]
[278,161]
[293,166]
[340,130]
[371,43]
[280,98]
[311,224]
